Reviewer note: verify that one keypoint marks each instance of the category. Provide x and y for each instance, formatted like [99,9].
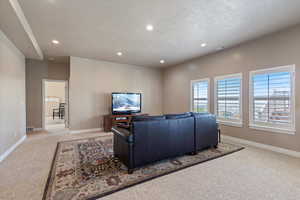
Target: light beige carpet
[85,169]
[251,174]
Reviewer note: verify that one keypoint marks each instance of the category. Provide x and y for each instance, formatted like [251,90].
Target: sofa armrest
[123,134]
[206,130]
[123,146]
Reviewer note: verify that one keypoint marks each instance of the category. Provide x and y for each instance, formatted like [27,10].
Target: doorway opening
[55,107]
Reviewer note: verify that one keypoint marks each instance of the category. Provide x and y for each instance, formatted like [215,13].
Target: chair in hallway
[60,112]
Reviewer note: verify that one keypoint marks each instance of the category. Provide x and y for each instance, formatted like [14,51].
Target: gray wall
[36,71]
[91,85]
[282,48]
[12,94]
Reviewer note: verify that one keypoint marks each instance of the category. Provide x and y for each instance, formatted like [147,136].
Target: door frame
[66,101]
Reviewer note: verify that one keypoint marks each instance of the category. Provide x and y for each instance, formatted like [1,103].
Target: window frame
[192,93]
[228,122]
[267,126]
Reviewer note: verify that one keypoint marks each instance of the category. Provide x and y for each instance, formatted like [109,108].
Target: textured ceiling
[100,28]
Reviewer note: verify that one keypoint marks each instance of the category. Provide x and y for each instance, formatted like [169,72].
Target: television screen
[126,102]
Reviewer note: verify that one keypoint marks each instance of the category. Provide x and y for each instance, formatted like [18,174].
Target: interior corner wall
[278,49]
[36,71]
[12,95]
[91,85]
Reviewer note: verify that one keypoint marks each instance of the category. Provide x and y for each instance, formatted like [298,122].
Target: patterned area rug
[85,169]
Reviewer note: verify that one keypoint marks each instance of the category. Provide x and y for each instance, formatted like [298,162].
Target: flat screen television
[126,103]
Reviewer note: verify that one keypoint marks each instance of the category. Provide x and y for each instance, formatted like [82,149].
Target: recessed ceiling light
[55,41]
[203,45]
[162,61]
[119,53]
[149,27]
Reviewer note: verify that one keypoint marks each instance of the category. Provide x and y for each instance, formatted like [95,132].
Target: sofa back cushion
[155,140]
[178,116]
[147,118]
[199,113]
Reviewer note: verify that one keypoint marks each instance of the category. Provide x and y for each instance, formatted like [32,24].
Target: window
[228,100]
[272,99]
[200,95]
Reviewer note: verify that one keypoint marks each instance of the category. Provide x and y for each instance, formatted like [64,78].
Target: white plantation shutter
[272,98]
[228,98]
[200,95]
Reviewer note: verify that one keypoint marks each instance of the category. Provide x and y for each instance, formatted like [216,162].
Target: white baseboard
[263,146]
[12,148]
[29,129]
[86,130]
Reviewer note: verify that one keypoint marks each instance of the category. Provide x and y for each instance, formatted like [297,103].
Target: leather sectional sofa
[154,138]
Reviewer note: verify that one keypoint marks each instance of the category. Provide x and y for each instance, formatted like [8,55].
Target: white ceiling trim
[20,14]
